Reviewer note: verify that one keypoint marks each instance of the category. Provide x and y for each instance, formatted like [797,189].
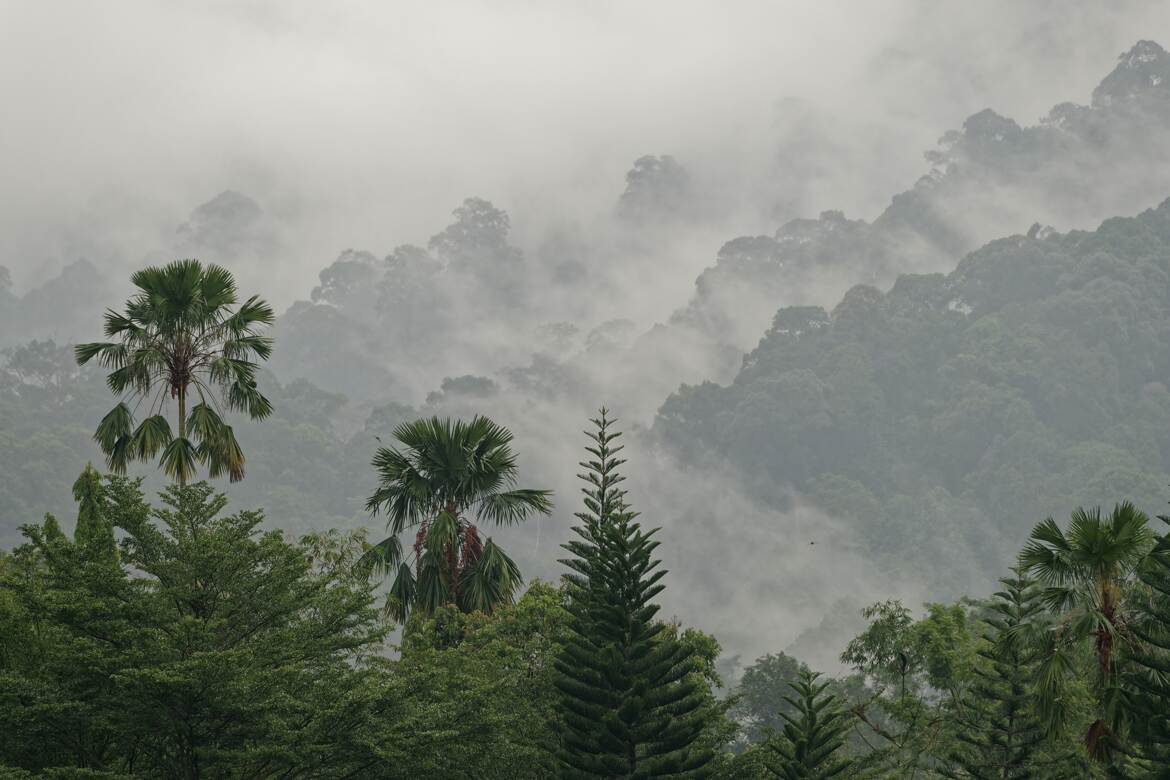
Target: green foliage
[999,733]
[1150,679]
[939,418]
[212,650]
[761,703]
[917,669]
[179,339]
[911,656]
[201,646]
[631,698]
[446,470]
[813,736]
[472,694]
[94,532]
[1088,571]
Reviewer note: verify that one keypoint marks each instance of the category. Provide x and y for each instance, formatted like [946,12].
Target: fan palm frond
[178,459]
[443,470]
[492,580]
[178,335]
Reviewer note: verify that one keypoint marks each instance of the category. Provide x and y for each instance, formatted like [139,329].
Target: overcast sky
[364,124]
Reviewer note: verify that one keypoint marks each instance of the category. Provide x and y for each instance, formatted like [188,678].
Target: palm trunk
[452,556]
[1101,729]
[1105,633]
[182,427]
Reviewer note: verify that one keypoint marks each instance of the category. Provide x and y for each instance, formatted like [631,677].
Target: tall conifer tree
[1000,734]
[809,747]
[94,534]
[630,702]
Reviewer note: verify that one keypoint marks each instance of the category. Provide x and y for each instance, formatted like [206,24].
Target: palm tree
[1150,677]
[446,471]
[1088,571]
[180,340]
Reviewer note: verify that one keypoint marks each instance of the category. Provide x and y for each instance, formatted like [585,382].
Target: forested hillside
[550,309]
[947,415]
[308,477]
[992,177]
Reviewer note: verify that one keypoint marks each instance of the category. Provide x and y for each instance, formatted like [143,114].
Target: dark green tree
[916,668]
[762,695]
[179,340]
[94,533]
[809,748]
[1000,736]
[631,699]
[472,696]
[1150,681]
[213,650]
[445,471]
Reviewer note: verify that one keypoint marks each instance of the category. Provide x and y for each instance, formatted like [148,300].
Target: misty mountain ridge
[223,226]
[1082,162]
[947,415]
[1142,74]
[992,177]
[1077,166]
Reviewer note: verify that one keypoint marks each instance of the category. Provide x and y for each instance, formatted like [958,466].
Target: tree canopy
[179,340]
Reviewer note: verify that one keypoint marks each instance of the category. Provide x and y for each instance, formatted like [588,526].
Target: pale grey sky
[363,123]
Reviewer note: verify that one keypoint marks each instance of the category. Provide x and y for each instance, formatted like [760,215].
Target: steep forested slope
[478,299]
[946,416]
[1080,164]
[472,301]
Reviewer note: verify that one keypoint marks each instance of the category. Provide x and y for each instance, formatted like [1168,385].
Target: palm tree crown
[446,470]
[1086,567]
[180,339]
[1087,571]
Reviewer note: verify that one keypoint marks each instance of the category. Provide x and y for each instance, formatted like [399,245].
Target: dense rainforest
[170,637]
[944,415]
[346,540]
